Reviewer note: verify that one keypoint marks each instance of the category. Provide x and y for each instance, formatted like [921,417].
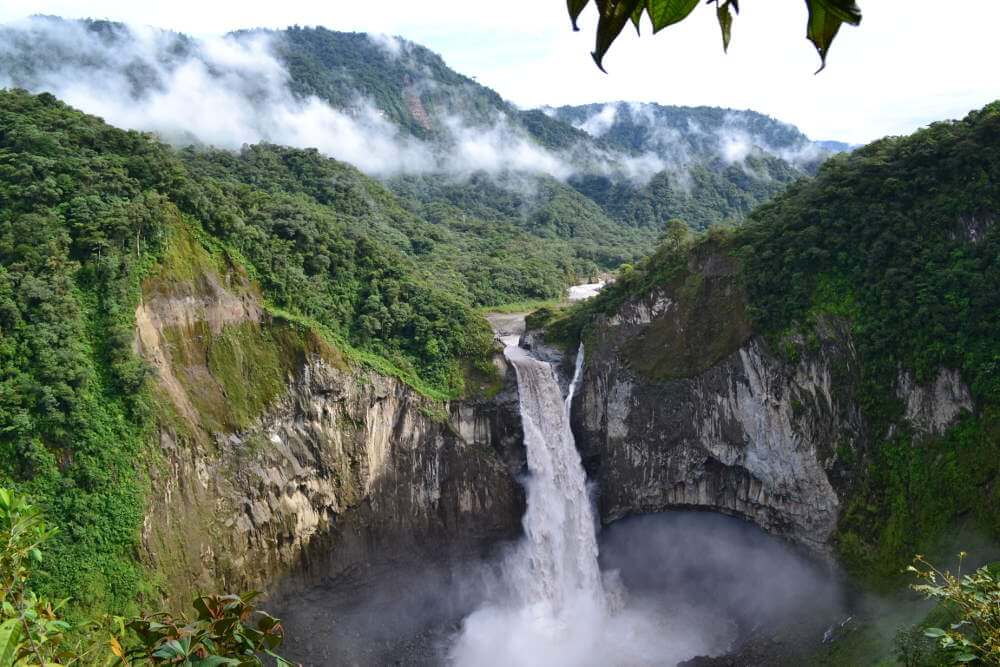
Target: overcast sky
[906,66]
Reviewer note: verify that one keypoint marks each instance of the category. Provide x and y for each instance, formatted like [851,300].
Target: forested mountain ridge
[681,134]
[650,164]
[409,83]
[869,296]
[452,149]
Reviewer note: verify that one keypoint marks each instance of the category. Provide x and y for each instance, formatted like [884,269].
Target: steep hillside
[472,236]
[830,370]
[112,244]
[409,83]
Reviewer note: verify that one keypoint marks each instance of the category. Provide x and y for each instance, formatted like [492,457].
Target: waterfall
[554,610]
[557,561]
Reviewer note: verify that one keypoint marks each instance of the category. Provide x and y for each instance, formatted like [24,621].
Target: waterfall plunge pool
[703,581]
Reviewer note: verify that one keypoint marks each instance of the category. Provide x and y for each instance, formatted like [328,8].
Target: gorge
[617,383]
[545,599]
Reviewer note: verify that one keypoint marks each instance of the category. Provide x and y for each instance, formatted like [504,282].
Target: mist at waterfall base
[700,580]
[692,583]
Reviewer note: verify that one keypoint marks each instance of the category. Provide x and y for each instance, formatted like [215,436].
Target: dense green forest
[900,239]
[87,212]
[700,195]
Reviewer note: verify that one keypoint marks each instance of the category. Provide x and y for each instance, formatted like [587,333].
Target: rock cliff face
[278,462]
[685,408]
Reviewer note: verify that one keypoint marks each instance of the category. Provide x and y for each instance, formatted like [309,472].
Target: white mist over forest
[232,90]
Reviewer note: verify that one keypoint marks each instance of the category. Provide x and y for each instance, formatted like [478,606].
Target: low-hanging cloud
[232,90]
[500,147]
[392,45]
[222,91]
[731,140]
[599,123]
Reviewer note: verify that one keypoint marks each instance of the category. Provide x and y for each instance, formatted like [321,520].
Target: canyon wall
[277,462]
[683,406]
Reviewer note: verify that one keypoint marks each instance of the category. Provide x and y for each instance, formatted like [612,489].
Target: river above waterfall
[584,291]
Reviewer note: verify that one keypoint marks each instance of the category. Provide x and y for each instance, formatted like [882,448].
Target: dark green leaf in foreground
[575,7]
[726,22]
[825,19]
[668,12]
[614,15]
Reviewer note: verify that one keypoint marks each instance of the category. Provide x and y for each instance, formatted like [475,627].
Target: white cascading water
[553,577]
[556,612]
[557,563]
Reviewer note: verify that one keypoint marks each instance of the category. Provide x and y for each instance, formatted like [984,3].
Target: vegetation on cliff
[87,214]
[900,239]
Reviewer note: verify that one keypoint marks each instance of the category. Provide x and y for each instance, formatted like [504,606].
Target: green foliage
[900,239]
[905,226]
[825,19]
[912,495]
[914,649]
[515,238]
[226,630]
[330,244]
[701,195]
[31,631]
[80,220]
[87,214]
[975,600]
